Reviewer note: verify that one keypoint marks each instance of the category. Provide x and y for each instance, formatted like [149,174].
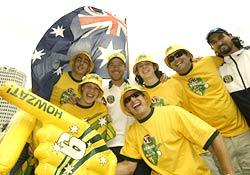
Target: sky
[152,25]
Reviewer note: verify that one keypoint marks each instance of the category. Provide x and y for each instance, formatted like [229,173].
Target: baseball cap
[216,30]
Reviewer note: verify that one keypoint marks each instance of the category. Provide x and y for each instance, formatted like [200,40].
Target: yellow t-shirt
[83,112]
[169,92]
[208,98]
[65,87]
[165,141]
[95,115]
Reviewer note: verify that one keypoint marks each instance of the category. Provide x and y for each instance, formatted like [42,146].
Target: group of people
[194,122]
[203,93]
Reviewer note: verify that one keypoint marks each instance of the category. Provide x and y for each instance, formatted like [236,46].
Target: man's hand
[164,78]
[73,100]
[196,59]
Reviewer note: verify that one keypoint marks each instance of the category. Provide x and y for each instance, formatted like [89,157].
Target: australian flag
[84,29]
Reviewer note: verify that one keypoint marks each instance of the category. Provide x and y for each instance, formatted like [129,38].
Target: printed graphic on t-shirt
[157,101]
[197,85]
[150,149]
[110,99]
[228,78]
[66,95]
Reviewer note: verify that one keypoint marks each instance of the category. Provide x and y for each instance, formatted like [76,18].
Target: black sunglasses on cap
[134,95]
[177,54]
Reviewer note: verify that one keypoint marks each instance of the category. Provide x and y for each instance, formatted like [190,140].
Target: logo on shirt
[157,101]
[197,85]
[150,149]
[228,79]
[66,95]
[110,99]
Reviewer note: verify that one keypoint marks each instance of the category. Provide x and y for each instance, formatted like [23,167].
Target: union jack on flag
[84,29]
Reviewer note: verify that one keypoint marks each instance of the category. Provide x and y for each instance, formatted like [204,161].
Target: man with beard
[209,99]
[235,70]
[116,68]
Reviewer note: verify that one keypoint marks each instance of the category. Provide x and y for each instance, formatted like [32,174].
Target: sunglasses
[134,95]
[177,54]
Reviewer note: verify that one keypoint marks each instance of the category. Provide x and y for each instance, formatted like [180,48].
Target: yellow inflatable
[63,144]
[15,139]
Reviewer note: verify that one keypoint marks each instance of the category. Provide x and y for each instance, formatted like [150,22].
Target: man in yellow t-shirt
[89,109]
[209,99]
[164,137]
[170,92]
[148,75]
[66,88]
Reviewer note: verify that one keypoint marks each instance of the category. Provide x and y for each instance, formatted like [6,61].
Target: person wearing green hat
[164,137]
[234,71]
[209,99]
[89,109]
[116,67]
[65,89]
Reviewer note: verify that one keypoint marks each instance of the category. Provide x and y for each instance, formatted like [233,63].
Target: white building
[7,110]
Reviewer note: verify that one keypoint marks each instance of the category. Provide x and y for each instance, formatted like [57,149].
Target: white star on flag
[37,55]
[106,52]
[58,31]
[58,71]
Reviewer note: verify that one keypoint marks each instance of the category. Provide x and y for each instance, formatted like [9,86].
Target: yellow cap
[84,53]
[127,88]
[172,49]
[144,57]
[92,78]
[117,55]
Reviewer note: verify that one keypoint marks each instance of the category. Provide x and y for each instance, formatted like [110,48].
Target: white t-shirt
[119,119]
